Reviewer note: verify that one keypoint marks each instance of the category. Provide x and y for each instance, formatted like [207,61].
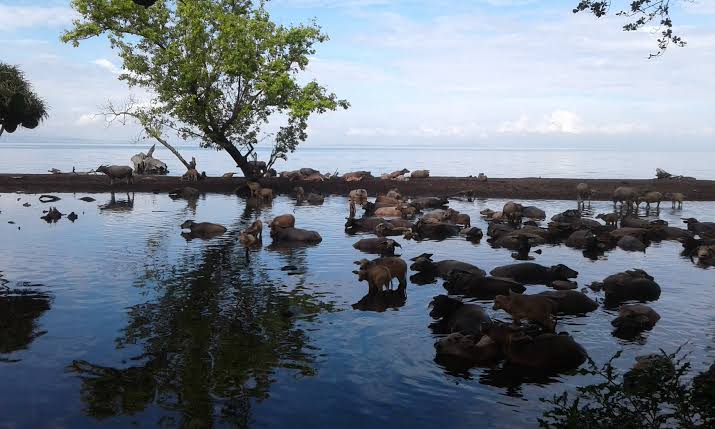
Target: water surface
[120,322]
[495,160]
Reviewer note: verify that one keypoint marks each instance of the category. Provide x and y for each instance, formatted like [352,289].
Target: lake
[462,160]
[117,321]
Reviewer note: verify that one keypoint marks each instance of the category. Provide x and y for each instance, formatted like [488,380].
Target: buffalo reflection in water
[115,205]
[382,301]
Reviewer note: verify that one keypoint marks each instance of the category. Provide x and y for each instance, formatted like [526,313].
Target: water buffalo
[531,273]
[282,221]
[291,234]
[467,348]
[468,283]
[366,224]
[633,319]
[425,264]
[396,265]
[675,198]
[420,174]
[625,195]
[545,352]
[454,315]
[513,212]
[570,302]
[429,203]
[380,246]
[435,231]
[535,308]
[378,277]
[203,227]
[117,172]
[703,229]
[630,285]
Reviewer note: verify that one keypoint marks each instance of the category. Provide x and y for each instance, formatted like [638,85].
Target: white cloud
[17,17]
[565,122]
[422,131]
[699,6]
[88,119]
[107,65]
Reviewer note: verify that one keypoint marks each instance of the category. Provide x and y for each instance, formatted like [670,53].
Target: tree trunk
[241,161]
[2,129]
[170,147]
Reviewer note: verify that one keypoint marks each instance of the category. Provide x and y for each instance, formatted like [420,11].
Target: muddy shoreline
[527,188]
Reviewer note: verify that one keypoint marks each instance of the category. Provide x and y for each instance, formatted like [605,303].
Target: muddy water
[116,320]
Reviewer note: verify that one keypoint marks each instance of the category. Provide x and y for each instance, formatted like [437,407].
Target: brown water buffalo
[535,308]
[295,235]
[513,212]
[203,227]
[396,265]
[378,277]
[282,221]
[255,229]
[380,246]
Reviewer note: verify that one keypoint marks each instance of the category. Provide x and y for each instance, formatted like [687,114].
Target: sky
[458,72]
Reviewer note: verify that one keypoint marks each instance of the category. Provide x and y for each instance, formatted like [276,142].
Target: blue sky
[430,71]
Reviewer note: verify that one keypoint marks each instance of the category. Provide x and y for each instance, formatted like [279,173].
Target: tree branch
[121,115]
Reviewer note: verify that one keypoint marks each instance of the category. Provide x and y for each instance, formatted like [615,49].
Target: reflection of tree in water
[212,342]
[20,309]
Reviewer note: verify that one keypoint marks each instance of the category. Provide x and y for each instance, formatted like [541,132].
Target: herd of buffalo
[531,340]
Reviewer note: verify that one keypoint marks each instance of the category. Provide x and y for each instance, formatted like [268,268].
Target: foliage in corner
[19,105]
[654,394]
[219,71]
[641,13]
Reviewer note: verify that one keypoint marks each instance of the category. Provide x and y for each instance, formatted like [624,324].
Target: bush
[654,394]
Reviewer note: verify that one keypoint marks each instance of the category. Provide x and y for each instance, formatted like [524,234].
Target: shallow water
[493,160]
[121,322]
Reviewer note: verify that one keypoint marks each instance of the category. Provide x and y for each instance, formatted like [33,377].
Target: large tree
[219,71]
[640,13]
[19,105]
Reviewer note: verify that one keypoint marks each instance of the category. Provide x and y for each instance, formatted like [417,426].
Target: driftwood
[147,164]
[662,174]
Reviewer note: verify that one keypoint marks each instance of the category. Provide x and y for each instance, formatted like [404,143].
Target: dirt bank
[533,188]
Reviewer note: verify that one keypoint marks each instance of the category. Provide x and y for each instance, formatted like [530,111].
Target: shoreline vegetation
[527,188]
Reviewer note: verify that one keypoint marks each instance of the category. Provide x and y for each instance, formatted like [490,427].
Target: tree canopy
[219,71]
[641,13]
[19,105]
